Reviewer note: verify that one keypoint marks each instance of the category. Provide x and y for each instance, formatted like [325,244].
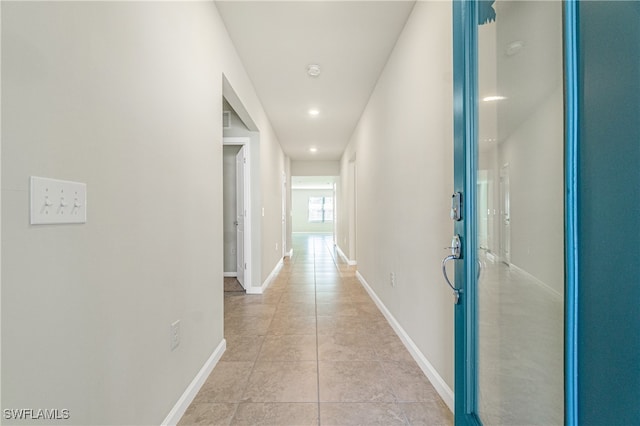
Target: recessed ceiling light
[314,112]
[493,98]
[313,70]
[313,149]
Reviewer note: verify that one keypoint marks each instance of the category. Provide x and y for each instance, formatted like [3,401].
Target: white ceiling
[350,40]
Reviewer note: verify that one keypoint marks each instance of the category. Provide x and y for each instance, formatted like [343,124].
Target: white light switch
[57,201]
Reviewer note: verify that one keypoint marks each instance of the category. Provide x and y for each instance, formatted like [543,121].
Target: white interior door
[505,215]
[240,215]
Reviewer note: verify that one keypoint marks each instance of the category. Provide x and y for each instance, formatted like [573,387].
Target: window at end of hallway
[321,209]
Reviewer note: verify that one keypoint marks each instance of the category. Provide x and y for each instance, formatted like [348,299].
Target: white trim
[191,391]
[236,140]
[344,256]
[429,370]
[311,232]
[322,187]
[246,143]
[289,253]
[230,274]
[267,282]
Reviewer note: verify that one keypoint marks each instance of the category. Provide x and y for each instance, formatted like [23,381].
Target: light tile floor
[314,350]
[521,348]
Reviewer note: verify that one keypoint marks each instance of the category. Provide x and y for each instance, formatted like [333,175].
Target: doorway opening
[240,141]
[313,205]
[236,214]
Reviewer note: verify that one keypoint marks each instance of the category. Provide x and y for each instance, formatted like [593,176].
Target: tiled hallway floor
[314,350]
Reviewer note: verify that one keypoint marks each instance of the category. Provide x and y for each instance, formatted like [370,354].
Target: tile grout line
[394,392]
[253,366]
[255,361]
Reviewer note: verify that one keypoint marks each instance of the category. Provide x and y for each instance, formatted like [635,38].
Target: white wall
[300,209]
[315,168]
[273,163]
[346,194]
[531,138]
[127,97]
[404,169]
[534,152]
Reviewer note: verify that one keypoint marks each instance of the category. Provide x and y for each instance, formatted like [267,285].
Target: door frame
[285,249]
[245,142]
[465,102]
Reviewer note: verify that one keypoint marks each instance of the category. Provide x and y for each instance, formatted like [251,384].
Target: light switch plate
[57,201]
[175,334]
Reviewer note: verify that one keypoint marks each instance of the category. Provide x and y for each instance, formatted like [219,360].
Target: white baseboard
[344,256]
[445,392]
[267,282]
[190,393]
[537,281]
[230,274]
[289,253]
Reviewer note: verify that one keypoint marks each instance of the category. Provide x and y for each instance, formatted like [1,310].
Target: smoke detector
[313,70]
[514,48]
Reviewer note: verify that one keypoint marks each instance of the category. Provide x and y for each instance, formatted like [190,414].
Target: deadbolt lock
[456,206]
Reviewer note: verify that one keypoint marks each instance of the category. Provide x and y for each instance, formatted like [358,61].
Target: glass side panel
[520,213]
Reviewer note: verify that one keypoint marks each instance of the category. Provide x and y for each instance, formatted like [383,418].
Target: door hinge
[245,266]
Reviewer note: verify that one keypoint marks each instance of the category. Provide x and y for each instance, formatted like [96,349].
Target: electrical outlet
[392,278]
[276,246]
[175,335]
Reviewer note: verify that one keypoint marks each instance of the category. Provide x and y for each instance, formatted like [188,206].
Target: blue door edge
[571,209]
[465,128]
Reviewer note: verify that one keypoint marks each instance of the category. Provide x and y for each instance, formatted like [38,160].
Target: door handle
[455,254]
[456,292]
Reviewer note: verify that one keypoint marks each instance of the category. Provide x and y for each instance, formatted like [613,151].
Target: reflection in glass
[520,216]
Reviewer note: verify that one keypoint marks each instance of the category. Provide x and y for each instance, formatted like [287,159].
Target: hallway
[314,349]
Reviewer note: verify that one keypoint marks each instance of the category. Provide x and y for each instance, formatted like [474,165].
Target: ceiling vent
[313,70]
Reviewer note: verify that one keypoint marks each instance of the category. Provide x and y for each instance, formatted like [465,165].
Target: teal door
[509,169]
[606,383]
